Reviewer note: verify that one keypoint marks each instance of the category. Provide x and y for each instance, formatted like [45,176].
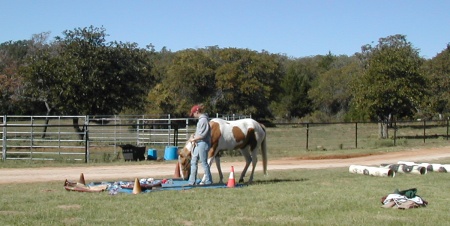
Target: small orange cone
[137,187]
[231,181]
[177,171]
[81,180]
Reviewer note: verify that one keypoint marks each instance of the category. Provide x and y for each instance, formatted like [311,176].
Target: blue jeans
[200,151]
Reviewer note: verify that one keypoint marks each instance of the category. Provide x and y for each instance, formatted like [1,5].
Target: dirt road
[159,170]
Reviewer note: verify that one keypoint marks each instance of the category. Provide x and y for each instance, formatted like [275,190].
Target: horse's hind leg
[248,159]
[254,161]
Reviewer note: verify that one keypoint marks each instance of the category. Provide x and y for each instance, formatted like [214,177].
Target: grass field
[295,197]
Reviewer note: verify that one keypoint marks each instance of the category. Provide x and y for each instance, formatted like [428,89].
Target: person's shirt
[203,129]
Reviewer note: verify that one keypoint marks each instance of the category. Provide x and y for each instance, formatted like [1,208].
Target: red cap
[194,109]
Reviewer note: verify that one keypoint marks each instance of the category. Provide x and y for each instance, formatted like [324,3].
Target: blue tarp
[170,184]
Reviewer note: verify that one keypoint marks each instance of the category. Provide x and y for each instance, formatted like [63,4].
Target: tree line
[80,73]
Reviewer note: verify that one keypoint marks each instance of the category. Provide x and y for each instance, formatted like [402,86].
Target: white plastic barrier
[403,168]
[373,171]
[432,167]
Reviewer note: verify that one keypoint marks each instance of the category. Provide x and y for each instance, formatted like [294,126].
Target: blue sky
[295,28]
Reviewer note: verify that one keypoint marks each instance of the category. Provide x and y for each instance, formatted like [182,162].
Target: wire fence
[295,137]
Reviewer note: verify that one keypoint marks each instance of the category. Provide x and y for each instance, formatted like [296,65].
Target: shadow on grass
[278,181]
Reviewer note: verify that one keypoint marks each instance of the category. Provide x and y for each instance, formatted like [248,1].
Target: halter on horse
[247,135]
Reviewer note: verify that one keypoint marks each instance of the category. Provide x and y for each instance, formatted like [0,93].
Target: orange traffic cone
[177,171]
[81,180]
[137,187]
[231,181]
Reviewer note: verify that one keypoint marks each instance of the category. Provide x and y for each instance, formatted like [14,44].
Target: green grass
[294,197]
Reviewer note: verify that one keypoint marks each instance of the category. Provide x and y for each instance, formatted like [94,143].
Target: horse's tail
[264,149]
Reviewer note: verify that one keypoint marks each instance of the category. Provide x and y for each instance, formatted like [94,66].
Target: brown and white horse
[247,135]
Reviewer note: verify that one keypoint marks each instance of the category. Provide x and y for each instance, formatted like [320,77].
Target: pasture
[296,197]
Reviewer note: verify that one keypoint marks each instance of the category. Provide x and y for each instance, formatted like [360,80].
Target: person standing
[202,139]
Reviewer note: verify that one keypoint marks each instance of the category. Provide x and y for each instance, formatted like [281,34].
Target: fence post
[356,134]
[169,129]
[186,135]
[4,139]
[86,140]
[307,135]
[31,137]
[138,129]
[395,133]
[447,128]
[424,125]
[175,134]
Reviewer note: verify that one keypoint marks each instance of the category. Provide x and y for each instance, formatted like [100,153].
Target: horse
[247,135]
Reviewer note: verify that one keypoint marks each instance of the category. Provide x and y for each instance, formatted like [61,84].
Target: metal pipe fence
[56,137]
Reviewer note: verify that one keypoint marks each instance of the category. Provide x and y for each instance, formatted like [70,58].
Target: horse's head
[184,158]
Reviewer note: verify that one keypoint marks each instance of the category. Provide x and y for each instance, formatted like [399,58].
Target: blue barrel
[152,154]
[171,153]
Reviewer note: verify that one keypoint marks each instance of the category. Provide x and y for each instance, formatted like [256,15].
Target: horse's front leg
[219,169]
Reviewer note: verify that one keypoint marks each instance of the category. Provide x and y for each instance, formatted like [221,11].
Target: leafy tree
[246,82]
[325,62]
[226,80]
[437,71]
[160,61]
[391,84]
[331,93]
[293,101]
[189,79]
[81,74]
[12,55]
